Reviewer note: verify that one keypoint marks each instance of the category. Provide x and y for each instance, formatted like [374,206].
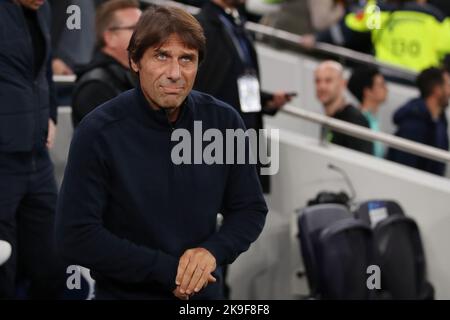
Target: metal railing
[335,51]
[367,134]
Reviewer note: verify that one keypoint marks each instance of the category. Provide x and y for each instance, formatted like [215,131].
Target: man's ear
[134,66]
[437,90]
[366,92]
[442,90]
[108,38]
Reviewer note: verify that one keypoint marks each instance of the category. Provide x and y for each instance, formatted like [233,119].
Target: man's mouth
[172,90]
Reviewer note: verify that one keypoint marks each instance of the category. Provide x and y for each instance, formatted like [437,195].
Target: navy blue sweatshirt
[128,213]
[414,122]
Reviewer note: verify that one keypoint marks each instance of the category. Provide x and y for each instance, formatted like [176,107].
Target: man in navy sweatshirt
[423,120]
[144,224]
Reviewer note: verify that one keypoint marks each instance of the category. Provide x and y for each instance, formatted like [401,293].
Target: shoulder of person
[108,113]
[106,77]
[99,74]
[356,116]
[207,16]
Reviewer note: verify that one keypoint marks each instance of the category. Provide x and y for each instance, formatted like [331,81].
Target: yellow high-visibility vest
[409,38]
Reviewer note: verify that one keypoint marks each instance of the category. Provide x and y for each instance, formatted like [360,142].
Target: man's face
[378,92]
[445,92]
[167,73]
[329,85]
[32,4]
[119,35]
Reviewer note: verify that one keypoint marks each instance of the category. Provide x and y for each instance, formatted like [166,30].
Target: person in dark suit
[230,55]
[28,115]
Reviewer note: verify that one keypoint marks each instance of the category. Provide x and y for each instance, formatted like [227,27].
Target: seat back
[401,259]
[346,252]
[311,221]
[399,249]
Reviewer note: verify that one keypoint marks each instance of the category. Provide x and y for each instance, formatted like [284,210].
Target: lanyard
[240,47]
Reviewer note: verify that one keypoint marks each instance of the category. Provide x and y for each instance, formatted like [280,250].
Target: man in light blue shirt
[367,84]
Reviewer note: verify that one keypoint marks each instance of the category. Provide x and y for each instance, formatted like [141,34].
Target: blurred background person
[369,87]
[330,91]
[443,5]
[108,74]
[407,33]
[423,120]
[28,114]
[230,58]
[230,67]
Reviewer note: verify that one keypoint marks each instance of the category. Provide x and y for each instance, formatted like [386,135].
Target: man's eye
[161,56]
[186,59]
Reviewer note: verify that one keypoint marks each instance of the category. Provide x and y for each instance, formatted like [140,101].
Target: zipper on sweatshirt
[171,125]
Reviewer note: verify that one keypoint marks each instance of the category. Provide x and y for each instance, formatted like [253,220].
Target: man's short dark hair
[362,78]
[158,23]
[105,16]
[428,79]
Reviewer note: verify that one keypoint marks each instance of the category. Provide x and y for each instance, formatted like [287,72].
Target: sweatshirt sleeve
[82,238]
[244,210]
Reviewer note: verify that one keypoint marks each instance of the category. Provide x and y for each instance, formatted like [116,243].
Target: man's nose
[174,72]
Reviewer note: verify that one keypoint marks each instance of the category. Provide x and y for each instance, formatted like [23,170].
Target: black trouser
[28,195]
